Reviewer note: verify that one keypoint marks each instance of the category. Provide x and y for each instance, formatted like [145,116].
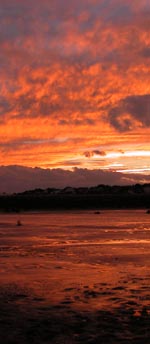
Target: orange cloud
[74,79]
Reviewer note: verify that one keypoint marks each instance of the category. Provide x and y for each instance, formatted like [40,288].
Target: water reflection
[72,268]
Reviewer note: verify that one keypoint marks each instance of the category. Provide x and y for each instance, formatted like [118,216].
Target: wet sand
[82,286]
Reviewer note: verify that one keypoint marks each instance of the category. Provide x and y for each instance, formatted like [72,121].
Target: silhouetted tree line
[98,197]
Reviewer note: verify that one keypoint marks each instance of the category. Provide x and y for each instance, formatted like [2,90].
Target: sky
[75,87]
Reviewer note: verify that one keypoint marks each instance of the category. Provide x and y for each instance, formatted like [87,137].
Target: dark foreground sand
[62,324]
[77,291]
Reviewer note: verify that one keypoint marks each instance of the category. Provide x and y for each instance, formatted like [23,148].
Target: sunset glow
[75,84]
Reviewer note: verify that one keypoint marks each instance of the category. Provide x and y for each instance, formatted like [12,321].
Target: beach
[75,277]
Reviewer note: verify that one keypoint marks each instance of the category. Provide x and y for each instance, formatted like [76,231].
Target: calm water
[72,237]
[75,277]
[73,228]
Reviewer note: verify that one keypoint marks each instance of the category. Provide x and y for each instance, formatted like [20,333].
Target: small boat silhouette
[148,211]
[18,223]
[97,212]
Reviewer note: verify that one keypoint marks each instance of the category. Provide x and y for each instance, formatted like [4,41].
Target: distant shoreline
[33,202]
[70,211]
